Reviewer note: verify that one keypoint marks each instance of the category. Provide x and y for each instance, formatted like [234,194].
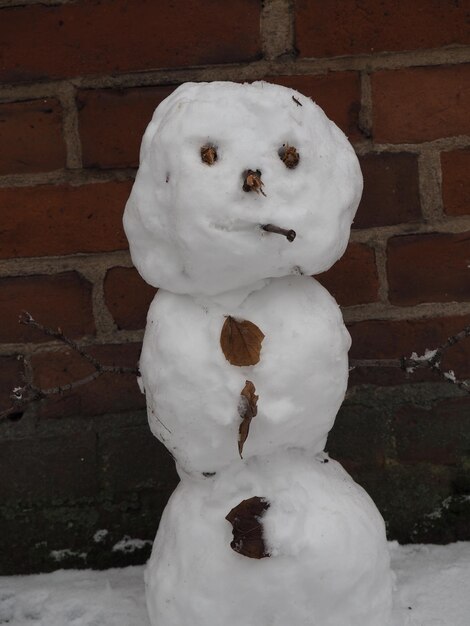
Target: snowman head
[239,183]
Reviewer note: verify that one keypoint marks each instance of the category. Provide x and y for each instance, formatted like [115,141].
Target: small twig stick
[290,235]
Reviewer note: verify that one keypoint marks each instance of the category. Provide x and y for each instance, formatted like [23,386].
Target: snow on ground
[433,585]
[434,582]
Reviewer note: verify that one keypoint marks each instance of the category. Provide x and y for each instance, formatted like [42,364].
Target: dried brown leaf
[289,156]
[252,181]
[248,410]
[240,341]
[209,154]
[248,528]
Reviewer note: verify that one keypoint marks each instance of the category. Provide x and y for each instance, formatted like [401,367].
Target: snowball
[193,392]
[191,226]
[329,563]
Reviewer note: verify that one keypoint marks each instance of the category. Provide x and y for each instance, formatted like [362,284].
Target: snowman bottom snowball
[328,564]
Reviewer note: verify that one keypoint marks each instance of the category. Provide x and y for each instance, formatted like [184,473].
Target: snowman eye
[289,156]
[208,154]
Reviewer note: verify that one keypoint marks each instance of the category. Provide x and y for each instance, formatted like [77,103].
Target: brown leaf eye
[208,154]
[289,156]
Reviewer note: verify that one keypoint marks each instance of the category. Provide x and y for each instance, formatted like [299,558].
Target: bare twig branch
[290,235]
[430,360]
[28,393]
[28,320]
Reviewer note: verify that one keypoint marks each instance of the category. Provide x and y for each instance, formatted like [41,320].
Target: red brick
[112,36]
[456,182]
[429,268]
[337,93]
[109,393]
[11,370]
[31,137]
[353,279]
[128,297]
[391,190]
[421,103]
[349,27]
[386,339]
[113,121]
[56,220]
[59,300]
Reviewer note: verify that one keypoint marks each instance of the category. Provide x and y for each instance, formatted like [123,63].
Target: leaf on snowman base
[240,341]
[247,410]
[248,528]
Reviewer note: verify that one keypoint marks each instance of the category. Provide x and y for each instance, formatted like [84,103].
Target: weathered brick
[391,190]
[406,495]
[11,371]
[358,437]
[112,122]
[429,268]
[127,297]
[49,467]
[31,136]
[109,393]
[56,220]
[337,93]
[353,279]
[439,435]
[57,300]
[456,182]
[386,339]
[113,36]
[148,464]
[421,103]
[349,27]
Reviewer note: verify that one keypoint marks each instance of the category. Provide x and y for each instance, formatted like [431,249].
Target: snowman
[243,193]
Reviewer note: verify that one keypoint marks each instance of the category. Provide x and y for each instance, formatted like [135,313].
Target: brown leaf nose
[252,181]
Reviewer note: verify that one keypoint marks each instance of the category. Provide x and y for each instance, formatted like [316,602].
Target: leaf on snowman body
[240,341]
[248,528]
[247,410]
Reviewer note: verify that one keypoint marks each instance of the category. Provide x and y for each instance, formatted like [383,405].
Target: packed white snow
[242,193]
[191,226]
[431,590]
[193,392]
[329,563]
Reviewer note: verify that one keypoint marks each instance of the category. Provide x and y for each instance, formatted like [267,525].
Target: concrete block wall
[79,81]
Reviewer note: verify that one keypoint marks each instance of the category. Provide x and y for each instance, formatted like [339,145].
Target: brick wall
[79,81]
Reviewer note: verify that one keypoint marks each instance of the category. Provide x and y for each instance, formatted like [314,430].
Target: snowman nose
[252,181]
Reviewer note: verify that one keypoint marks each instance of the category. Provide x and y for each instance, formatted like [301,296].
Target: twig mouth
[289,234]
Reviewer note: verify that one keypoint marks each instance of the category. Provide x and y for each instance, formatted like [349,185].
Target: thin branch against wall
[431,359]
[24,395]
